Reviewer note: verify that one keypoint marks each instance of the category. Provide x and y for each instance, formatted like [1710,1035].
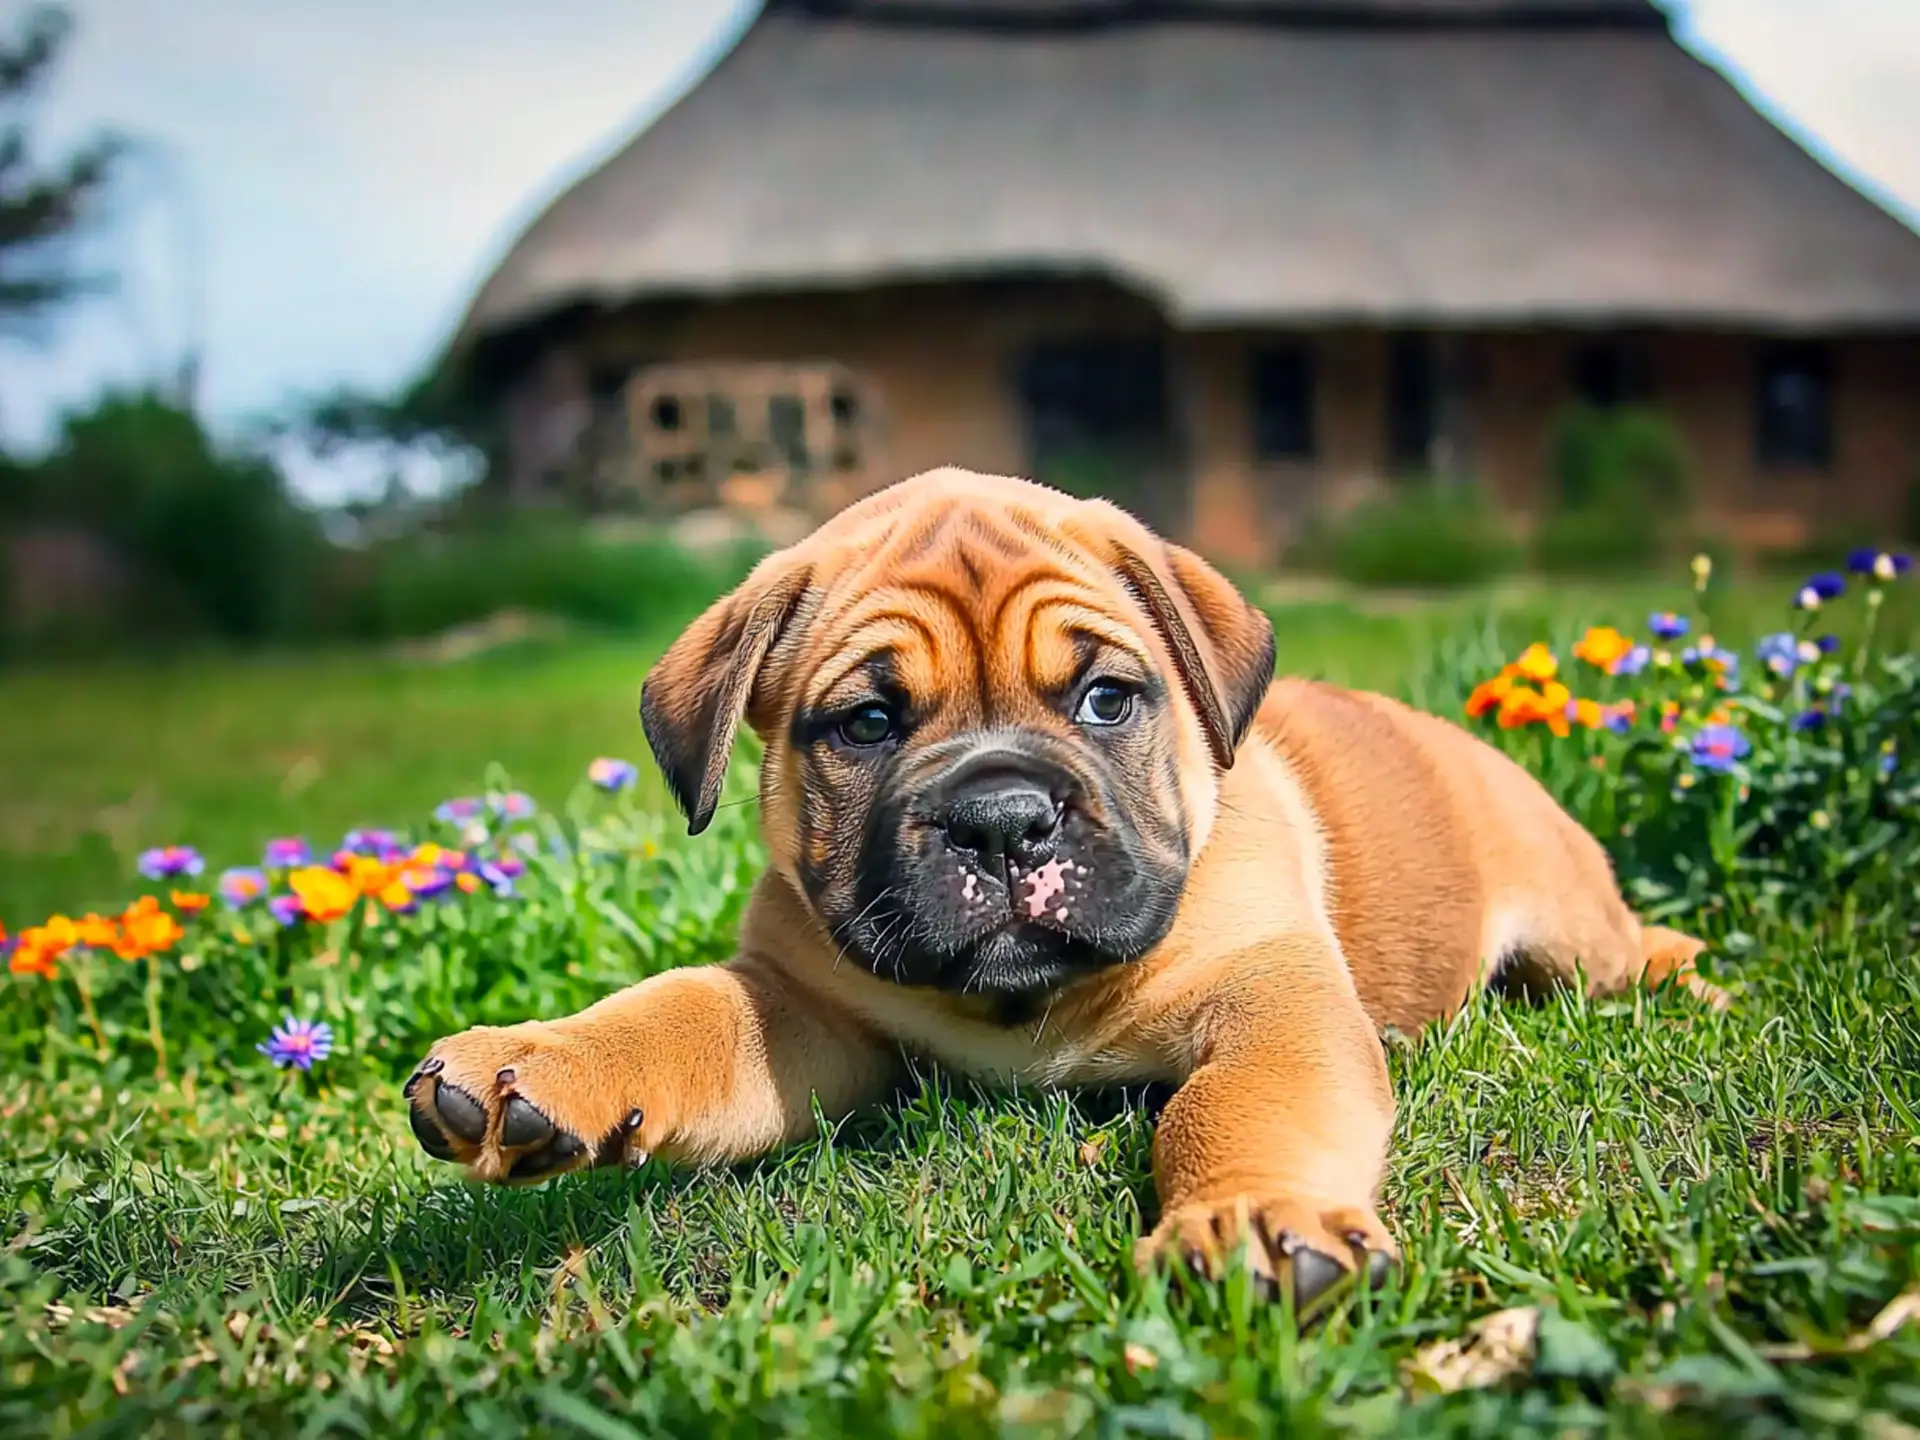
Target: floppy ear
[1222,647]
[692,701]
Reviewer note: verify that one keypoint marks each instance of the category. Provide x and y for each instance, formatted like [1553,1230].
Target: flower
[1585,713]
[1827,585]
[1702,570]
[501,882]
[610,774]
[189,902]
[1488,694]
[368,876]
[398,897]
[1809,719]
[146,929]
[1618,718]
[1780,653]
[1718,748]
[1603,647]
[1546,706]
[426,881]
[1666,625]
[241,886]
[1886,567]
[1710,656]
[167,862]
[370,842]
[1536,664]
[467,881]
[298,1043]
[437,857]
[1827,644]
[287,909]
[324,894]
[1633,662]
[39,948]
[96,932]
[459,810]
[514,805]
[1669,715]
[287,853]
[510,865]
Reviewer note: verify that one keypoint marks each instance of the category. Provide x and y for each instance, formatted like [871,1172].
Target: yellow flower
[324,894]
[1536,664]
[1588,714]
[1702,570]
[1488,694]
[1602,647]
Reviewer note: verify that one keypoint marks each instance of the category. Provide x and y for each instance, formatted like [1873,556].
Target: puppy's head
[995,719]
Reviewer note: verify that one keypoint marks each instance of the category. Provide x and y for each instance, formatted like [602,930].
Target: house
[1227,260]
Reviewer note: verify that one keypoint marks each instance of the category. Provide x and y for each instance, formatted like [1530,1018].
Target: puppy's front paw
[1309,1244]
[521,1103]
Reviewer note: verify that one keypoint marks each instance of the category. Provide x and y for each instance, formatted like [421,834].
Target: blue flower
[1633,662]
[298,1043]
[499,879]
[514,805]
[1666,625]
[287,909]
[1810,719]
[1719,748]
[1780,653]
[170,862]
[1860,561]
[459,810]
[1827,585]
[1827,644]
[610,774]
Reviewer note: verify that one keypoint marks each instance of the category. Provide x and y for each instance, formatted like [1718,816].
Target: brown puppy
[1038,810]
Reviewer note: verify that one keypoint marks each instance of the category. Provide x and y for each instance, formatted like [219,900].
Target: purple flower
[1617,719]
[1666,625]
[427,883]
[611,775]
[170,862]
[287,909]
[1888,760]
[1807,720]
[459,810]
[1780,653]
[1711,656]
[370,842]
[1719,748]
[287,853]
[1633,662]
[1827,585]
[1827,644]
[298,1043]
[510,865]
[514,805]
[242,885]
[501,882]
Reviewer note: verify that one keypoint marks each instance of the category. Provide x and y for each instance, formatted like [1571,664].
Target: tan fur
[1359,865]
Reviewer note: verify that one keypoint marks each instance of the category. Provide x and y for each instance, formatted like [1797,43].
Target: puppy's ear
[1222,647]
[692,701]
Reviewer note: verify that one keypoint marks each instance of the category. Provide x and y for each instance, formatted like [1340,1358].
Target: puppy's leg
[1279,1136]
[710,1063]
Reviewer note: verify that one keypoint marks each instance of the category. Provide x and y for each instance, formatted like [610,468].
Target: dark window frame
[1283,386]
[1793,433]
[1413,400]
[1610,372]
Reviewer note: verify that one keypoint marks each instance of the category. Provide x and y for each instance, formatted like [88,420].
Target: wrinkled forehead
[968,600]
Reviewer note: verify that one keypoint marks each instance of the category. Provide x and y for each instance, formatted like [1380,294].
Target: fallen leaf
[1494,1348]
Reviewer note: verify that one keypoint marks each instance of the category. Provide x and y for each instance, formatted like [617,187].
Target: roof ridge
[1071,15]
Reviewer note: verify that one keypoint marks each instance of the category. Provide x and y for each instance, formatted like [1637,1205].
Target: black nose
[1006,818]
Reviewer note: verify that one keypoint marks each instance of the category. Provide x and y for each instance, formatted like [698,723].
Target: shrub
[1622,494]
[1430,534]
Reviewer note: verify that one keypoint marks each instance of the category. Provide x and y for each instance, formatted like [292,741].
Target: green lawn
[1702,1217]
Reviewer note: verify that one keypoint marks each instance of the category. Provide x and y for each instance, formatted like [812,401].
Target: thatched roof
[1405,161]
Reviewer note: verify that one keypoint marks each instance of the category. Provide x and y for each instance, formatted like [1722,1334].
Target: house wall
[939,363]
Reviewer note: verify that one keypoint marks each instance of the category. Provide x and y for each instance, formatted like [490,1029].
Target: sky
[330,180]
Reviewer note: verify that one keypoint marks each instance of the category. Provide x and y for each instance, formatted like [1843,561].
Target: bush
[425,584]
[1429,535]
[1622,492]
[212,540]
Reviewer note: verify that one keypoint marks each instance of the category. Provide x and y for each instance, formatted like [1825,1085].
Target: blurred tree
[46,208]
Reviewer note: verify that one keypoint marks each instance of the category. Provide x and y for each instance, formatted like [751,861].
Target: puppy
[1037,810]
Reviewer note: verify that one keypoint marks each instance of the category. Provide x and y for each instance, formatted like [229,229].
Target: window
[1413,401]
[1610,373]
[1794,407]
[1283,396]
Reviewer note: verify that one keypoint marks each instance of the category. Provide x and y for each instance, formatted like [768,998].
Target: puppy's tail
[1667,958]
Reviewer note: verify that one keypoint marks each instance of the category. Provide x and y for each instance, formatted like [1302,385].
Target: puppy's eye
[869,725]
[1105,703]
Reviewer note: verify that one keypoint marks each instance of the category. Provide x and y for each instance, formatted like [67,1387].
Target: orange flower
[1488,694]
[324,894]
[146,929]
[1547,706]
[98,931]
[1587,713]
[1603,647]
[368,876]
[190,902]
[1536,664]
[41,946]
[467,882]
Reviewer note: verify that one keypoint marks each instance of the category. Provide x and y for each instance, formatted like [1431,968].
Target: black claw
[635,1119]
[1313,1275]
[523,1125]
[432,1065]
[1379,1267]
[461,1113]
[562,1148]
[431,1140]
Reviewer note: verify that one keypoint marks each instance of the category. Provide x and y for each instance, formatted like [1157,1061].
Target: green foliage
[213,542]
[1428,534]
[1622,492]
[426,583]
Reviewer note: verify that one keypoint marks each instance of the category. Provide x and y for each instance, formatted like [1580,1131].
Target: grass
[1703,1215]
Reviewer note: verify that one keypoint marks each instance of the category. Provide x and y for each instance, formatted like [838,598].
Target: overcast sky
[343,172]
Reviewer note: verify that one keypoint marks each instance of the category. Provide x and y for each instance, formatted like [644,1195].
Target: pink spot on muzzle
[1043,884]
